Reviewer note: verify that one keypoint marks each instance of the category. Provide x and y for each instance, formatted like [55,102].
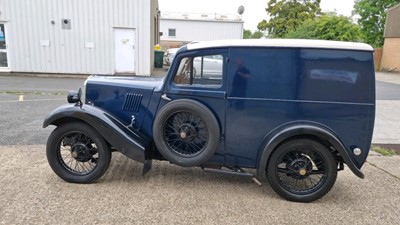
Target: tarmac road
[25,116]
[30,193]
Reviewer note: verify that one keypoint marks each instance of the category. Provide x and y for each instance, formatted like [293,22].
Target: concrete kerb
[387,119]
[388,164]
[388,77]
[44,75]
[157,72]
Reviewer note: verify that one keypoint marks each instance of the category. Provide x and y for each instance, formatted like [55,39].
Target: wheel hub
[187,132]
[183,134]
[302,172]
[301,167]
[74,154]
[80,152]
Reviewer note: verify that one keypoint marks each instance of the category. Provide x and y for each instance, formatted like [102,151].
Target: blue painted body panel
[330,89]
[110,94]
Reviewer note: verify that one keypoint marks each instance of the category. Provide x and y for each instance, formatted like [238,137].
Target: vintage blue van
[291,111]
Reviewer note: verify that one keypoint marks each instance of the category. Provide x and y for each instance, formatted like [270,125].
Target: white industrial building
[78,36]
[181,28]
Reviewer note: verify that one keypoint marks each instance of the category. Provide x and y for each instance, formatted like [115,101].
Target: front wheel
[77,153]
[302,170]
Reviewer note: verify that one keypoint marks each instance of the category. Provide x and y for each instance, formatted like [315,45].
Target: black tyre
[186,132]
[77,153]
[302,170]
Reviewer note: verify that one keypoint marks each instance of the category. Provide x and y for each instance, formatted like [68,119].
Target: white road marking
[32,100]
[21,98]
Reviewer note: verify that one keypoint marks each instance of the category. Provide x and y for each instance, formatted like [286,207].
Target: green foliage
[304,31]
[373,18]
[328,27]
[286,15]
[383,151]
[247,34]
[257,34]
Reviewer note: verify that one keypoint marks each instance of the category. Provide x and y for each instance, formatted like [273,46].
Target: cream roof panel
[289,43]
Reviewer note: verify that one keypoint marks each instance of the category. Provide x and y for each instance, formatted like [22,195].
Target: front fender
[129,142]
[274,139]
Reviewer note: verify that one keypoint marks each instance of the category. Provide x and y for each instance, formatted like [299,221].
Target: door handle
[165,97]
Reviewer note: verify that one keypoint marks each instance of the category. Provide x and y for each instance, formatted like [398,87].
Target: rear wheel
[77,153]
[302,170]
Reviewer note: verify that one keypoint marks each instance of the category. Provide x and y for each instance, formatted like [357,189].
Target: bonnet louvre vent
[132,102]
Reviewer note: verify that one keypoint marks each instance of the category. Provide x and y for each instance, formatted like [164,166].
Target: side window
[262,73]
[333,70]
[202,71]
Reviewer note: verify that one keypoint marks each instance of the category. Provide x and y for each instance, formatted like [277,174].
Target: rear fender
[274,139]
[129,142]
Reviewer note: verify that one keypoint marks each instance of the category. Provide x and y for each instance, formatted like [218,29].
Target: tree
[373,18]
[328,27]
[247,34]
[286,15]
[257,34]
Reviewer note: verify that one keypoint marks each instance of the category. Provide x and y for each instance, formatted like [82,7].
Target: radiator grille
[132,102]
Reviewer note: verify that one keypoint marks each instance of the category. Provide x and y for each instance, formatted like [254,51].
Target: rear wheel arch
[273,140]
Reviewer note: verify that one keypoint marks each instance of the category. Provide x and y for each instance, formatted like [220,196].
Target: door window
[204,71]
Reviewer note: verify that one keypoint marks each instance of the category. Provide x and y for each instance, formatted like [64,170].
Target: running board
[237,172]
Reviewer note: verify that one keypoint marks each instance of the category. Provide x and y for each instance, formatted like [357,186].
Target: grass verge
[383,151]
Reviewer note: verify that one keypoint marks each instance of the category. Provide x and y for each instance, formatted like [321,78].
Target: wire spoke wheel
[302,170]
[77,153]
[186,132]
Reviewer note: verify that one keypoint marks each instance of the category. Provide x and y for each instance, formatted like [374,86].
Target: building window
[171,32]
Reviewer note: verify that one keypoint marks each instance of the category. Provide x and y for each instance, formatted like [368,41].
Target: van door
[201,76]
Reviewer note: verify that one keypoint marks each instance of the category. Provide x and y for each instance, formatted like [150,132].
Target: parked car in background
[169,55]
[208,65]
[291,111]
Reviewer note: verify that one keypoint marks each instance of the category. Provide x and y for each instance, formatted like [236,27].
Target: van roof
[288,43]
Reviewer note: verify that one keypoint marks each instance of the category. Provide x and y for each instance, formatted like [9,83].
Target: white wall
[197,30]
[30,28]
